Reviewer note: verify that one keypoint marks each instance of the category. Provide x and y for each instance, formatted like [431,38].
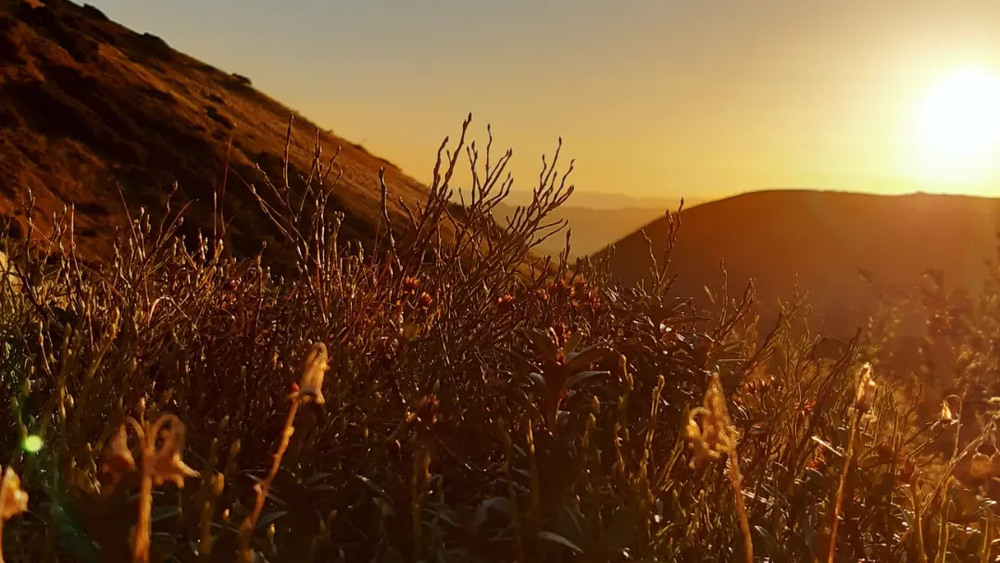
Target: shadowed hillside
[86,103]
[823,240]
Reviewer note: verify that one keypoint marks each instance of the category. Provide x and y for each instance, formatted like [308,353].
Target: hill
[87,105]
[592,199]
[591,228]
[596,218]
[823,240]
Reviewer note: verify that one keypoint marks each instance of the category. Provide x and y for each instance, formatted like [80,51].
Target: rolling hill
[591,228]
[822,240]
[87,105]
[596,219]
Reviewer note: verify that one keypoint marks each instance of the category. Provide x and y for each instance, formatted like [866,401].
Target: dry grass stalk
[310,388]
[159,465]
[863,398]
[714,437]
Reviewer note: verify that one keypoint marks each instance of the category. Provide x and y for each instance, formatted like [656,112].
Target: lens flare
[32,444]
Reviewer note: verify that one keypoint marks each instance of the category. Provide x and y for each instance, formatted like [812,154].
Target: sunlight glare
[959,128]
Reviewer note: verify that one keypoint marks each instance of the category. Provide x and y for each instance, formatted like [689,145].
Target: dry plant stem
[264,486]
[839,503]
[741,511]
[918,517]
[140,553]
[943,530]
[984,555]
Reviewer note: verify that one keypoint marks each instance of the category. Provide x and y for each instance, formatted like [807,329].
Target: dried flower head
[118,461]
[313,371]
[714,436]
[166,463]
[865,394]
[946,417]
[410,284]
[13,499]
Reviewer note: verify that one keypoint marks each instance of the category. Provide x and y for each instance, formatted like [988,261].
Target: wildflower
[946,416]
[410,284]
[161,462]
[313,371]
[425,300]
[505,300]
[118,460]
[559,333]
[714,436]
[865,394]
[167,464]
[709,441]
[807,407]
[13,500]
[818,462]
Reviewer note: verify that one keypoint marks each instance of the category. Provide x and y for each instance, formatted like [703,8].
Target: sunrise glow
[957,137]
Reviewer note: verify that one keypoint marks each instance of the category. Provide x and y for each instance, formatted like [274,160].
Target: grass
[459,399]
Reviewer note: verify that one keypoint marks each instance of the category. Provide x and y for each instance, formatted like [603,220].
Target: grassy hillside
[87,105]
[824,242]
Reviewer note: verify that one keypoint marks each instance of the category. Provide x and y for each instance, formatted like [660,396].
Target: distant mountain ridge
[590,199]
[596,219]
[821,240]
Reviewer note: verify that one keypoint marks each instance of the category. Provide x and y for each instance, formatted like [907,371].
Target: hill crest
[821,242]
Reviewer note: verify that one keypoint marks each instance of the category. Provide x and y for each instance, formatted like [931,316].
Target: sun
[958,128]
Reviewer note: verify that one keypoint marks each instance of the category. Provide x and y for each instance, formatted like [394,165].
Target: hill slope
[591,228]
[596,218]
[86,104]
[823,240]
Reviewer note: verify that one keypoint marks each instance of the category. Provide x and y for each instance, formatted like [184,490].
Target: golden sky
[651,98]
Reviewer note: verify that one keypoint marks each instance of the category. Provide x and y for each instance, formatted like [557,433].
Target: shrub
[446,395]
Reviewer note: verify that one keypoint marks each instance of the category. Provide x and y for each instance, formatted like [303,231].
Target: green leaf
[496,505]
[768,541]
[318,476]
[543,344]
[581,360]
[571,343]
[539,380]
[270,517]
[556,538]
[578,377]
[620,531]
[521,362]
[374,487]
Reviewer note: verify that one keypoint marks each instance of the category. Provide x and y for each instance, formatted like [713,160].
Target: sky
[652,98]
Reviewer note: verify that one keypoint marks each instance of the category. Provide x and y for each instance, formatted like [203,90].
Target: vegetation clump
[457,398]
